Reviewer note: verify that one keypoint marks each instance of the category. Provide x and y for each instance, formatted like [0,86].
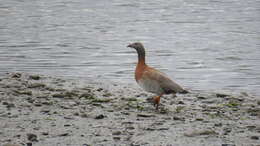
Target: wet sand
[41,110]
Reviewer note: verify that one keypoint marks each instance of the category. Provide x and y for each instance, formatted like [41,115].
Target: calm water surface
[204,45]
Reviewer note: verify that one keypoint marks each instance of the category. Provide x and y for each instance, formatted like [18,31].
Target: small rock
[64,134]
[164,111]
[244,94]
[99,89]
[164,128]
[30,100]
[116,138]
[150,129]
[221,95]
[87,95]
[254,111]
[101,116]
[42,96]
[251,127]
[129,99]
[65,107]
[84,115]
[178,118]
[125,113]
[45,110]
[37,104]
[210,101]
[28,144]
[76,114]
[117,133]
[58,95]
[127,122]
[8,105]
[228,145]
[34,77]
[227,130]
[199,119]
[145,115]
[71,93]
[47,102]
[36,128]
[31,137]
[130,128]
[218,124]
[45,133]
[69,117]
[16,75]
[107,94]
[179,108]
[255,137]
[36,85]
[201,97]
[26,92]
[180,102]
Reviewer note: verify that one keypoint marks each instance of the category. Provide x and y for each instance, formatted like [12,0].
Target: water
[204,45]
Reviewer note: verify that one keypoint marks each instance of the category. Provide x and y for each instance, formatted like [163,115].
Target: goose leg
[156,101]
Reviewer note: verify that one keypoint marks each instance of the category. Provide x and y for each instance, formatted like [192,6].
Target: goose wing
[166,84]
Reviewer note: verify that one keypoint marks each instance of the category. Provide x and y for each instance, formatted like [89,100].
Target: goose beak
[130,46]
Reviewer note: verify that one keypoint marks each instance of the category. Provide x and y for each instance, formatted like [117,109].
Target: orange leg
[156,101]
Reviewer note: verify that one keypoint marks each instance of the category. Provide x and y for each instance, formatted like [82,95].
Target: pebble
[228,145]
[117,133]
[178,118]
[16,75]
[64,134]
[84,115]
[218,124]
[227,130]
[116,138]
[130,128]
[45,133]
[36,85]
[180,102]
[99,89]
[8,105]
[45,110]
[201,97]
[221,95]
[31,137]
[58,95]
[255,137]
[101,116]
[34,77]
[145,115]
[199,119]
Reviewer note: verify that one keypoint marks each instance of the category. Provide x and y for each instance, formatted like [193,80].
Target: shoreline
[43,110]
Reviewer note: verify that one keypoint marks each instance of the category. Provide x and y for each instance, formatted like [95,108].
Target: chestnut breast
[143,78]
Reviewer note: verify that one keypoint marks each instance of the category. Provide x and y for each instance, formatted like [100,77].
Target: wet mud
[41,110]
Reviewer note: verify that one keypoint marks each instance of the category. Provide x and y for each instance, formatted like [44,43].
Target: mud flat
[40,110]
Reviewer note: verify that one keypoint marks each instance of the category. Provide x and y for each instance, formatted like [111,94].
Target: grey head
[140,50]
[136,45]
